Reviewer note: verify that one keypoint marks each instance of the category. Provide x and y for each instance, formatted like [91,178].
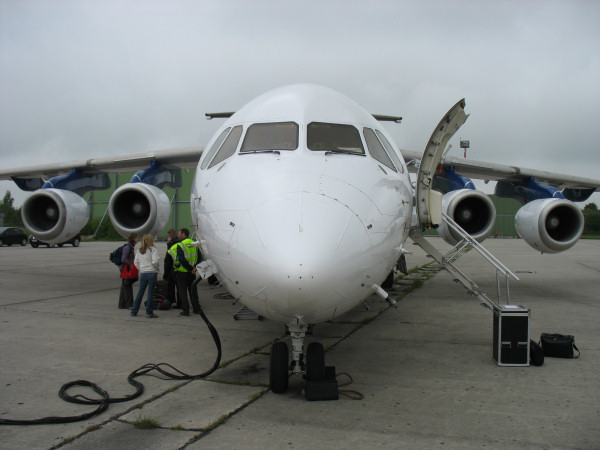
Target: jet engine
[139,208]
[550,225]
[54,215]
[472,210]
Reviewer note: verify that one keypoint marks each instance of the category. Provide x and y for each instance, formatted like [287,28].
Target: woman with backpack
[128,272]
[146,260]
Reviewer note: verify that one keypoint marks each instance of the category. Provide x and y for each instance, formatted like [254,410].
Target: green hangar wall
[506,208]
[180,200]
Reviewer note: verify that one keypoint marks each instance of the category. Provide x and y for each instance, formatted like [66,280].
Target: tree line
[105,230]
[592,220]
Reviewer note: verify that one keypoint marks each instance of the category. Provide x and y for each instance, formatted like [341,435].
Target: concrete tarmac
[425,369]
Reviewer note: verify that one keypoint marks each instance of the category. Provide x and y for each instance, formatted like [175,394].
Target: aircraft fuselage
[304,231]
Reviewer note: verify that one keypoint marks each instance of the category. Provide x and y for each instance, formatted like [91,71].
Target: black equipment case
[511,335]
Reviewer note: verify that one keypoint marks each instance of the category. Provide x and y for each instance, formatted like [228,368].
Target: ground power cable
[166,370]
[349,393]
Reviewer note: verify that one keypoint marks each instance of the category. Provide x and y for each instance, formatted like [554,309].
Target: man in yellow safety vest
[185,257]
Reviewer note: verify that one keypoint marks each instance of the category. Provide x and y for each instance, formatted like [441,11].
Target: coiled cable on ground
[164,369]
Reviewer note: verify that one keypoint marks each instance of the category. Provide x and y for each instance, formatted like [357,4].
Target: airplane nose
[301,246]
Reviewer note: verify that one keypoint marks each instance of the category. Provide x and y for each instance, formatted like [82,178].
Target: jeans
[146,279]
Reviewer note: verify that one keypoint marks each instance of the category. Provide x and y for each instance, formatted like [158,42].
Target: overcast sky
[89,78]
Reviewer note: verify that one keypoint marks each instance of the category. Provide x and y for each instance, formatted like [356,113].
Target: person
[146,260]
[127,279]
[169,274]
[185,257]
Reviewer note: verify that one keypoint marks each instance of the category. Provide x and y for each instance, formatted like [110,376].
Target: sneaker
[151,316]
[184,314]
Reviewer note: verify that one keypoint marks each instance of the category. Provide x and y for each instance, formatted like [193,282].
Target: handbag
[536,354]
[130,272]
[133,273]
[558,345]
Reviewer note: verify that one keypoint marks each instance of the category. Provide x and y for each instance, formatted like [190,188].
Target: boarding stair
[429,213]
[246,314]
[448,262]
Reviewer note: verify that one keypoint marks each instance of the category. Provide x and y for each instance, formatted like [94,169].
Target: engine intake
[472,210]
[550,225]
[54,215]
[139,208]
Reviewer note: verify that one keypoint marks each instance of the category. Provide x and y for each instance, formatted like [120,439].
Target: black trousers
[171,283]
[184,285]
[126,294]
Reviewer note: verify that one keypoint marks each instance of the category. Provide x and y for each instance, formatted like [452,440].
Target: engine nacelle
[139,208]
[472,210]
[54,215]
[550,225]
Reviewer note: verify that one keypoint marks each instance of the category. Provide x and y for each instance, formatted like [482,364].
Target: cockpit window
[334,137]
[228,147]
[270,136]
[376,149]
[214,148]
[390,151]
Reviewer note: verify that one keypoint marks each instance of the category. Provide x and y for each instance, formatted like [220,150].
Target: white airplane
[303,204]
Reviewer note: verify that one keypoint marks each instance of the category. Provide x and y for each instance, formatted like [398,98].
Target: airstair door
[429,202]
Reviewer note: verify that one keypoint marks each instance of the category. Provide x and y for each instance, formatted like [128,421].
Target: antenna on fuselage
[219,115]
[382,118]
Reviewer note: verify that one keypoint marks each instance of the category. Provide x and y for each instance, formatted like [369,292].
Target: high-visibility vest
[190,253]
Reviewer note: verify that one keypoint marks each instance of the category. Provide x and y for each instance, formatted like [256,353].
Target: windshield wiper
[345,152]
[246,152]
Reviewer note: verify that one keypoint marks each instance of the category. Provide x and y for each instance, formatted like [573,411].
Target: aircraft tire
[278,369]
[315,362]
[388,283]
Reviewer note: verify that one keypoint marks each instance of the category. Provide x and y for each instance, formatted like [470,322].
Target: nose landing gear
[279,370]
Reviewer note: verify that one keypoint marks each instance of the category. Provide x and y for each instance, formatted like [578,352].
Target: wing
[548,221]
[170,159]
[56,210]
[498,172]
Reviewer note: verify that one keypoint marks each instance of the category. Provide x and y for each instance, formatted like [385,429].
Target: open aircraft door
[430,214]
[429,202]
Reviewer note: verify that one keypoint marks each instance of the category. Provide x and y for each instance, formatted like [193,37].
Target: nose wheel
[280,368]
[315,362]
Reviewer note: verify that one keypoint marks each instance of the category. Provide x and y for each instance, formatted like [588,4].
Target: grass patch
[416,284]
[258,395]
[221,420]
[172,389]
[146,423]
